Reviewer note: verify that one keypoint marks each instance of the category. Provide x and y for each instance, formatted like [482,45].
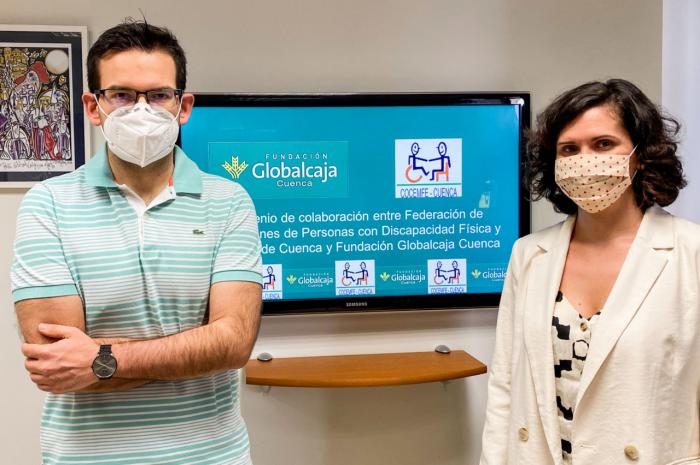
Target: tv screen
[373,201]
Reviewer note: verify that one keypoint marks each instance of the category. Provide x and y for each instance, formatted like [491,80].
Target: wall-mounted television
[373,201]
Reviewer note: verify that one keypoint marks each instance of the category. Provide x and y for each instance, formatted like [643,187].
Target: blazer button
[523,434]
[584,326]
[631,452]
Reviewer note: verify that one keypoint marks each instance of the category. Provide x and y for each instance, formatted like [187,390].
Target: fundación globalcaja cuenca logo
[283,170]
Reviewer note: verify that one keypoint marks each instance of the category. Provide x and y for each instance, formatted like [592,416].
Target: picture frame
[43,128]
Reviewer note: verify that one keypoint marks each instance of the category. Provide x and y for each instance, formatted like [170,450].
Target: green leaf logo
[235,168]
[385,276]
[476,273]
[291,279]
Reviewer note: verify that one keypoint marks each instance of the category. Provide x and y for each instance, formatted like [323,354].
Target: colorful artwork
[42,127]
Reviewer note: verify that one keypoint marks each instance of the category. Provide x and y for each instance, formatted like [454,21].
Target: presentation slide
[373,200]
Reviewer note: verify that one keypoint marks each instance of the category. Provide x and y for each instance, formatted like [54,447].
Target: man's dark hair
[132,34]
[659,176]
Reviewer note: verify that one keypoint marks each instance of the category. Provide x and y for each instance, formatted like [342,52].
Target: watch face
[104,366]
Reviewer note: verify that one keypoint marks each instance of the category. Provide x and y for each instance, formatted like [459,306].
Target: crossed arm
[59,353]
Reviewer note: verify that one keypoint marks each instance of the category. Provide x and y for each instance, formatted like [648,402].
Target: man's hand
[62,361]
[62,366]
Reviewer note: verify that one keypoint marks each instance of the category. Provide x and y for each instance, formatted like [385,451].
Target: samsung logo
[356,304]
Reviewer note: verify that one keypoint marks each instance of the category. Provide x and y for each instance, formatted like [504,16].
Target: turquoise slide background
[360,141]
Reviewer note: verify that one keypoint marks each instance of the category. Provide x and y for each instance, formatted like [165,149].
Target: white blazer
[639,395]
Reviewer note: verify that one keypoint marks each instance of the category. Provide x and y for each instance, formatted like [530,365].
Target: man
[137,278]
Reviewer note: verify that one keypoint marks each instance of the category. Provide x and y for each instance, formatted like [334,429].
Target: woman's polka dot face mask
[593,181]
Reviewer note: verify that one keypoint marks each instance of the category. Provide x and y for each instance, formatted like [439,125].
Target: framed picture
[43,129]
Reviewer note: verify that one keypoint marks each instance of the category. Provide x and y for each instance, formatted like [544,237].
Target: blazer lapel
[639,272]
[543,282]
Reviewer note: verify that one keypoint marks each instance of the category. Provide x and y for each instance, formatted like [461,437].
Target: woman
[597,357]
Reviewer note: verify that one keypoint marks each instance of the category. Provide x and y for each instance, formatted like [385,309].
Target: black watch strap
[105,349]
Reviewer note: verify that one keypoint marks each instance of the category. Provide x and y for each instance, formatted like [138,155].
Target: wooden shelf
[363,370]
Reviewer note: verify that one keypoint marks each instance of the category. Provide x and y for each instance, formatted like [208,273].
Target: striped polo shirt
[141,272]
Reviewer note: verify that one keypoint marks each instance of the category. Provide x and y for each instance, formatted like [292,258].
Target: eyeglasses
[164,98]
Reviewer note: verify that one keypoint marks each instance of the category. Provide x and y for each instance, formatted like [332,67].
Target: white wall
[541,46]
[681,92]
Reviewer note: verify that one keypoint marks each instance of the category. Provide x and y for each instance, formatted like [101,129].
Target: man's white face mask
[140,134]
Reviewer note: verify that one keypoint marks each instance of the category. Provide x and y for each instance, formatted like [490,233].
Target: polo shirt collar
[97,170]
[187,177]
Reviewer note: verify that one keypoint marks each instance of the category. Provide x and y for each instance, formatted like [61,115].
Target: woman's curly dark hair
[659,176]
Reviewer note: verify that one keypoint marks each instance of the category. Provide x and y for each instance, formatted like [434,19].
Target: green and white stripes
[140,275]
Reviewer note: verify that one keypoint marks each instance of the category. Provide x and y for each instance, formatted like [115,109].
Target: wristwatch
[104,364]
